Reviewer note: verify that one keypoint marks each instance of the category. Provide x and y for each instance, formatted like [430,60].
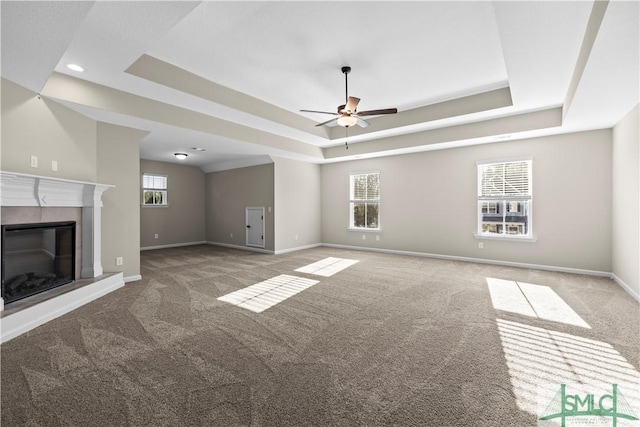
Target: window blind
[365,187]
[154,182]
[510,180]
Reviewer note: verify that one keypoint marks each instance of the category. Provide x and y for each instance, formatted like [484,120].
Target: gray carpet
[391,340]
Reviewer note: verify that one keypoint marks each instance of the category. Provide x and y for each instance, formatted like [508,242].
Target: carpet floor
[390,340]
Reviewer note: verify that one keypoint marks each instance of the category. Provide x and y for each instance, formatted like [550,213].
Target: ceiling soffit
[82,92]
[508,127]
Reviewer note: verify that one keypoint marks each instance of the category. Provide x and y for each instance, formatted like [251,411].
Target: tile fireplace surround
[29,198]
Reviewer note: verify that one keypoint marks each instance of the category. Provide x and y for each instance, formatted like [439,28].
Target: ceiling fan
[347,114]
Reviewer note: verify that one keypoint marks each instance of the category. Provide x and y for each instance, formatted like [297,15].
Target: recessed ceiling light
[75,67]
[181,156]
[198,149]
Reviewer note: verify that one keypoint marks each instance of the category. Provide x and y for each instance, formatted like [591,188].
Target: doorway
[255,227]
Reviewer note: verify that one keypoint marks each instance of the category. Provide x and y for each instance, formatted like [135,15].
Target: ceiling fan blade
[361,123]
[315,111]
[352,103]
[378,112]
[328,122]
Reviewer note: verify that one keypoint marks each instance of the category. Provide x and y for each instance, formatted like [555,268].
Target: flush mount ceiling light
[75,67]
[181,156]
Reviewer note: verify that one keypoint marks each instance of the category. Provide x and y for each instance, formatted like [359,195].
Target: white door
[255,227]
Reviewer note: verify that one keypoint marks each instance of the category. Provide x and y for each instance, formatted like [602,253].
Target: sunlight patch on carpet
[533,301]
[268,293]
[541,360]
[327,267]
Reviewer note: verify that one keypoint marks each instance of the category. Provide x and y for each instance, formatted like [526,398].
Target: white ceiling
[231,77]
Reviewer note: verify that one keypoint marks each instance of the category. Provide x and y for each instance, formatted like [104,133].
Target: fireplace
[70,208]
[37,257]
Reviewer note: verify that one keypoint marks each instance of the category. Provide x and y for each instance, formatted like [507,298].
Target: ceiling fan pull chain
[346,135]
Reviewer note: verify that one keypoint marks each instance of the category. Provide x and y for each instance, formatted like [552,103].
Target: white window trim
[511,238]
[510,159]
[364,229]
[530,238]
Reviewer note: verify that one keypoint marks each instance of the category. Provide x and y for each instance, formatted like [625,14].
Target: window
[364,206]
[490,207]
[154,190]
[504,198]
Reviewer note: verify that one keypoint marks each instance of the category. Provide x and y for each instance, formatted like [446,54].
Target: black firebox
[36,258]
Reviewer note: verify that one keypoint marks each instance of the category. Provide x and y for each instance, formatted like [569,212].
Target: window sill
[154,206]
[365,230]
[506,237]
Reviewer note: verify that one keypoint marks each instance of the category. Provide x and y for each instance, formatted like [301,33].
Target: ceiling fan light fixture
[348,114]
[181,156]
[347,121]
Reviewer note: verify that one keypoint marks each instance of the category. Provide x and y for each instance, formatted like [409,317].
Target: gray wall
[42,128]
[229,193]
[428,202]
[183,221]
[118,164]
[626,201]
[297,204]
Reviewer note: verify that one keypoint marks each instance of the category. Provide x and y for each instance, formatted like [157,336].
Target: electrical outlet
[231,235]
[34,161]
[155,236]
[480,245]
[296,237]
[364,237]
[377,238]
[119,260]
[54,165]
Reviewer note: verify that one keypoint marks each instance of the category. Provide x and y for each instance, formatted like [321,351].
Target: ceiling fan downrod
[346,71]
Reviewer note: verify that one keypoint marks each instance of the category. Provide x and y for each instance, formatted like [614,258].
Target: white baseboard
[173,245]
[242,248]
[298,248]
[29,318]
[626,287]
[265,251]
[132,278]
[476,260]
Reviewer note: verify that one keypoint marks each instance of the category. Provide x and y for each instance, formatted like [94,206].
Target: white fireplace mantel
[18,189]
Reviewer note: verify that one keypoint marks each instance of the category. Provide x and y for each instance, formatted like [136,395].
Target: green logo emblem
[564,405]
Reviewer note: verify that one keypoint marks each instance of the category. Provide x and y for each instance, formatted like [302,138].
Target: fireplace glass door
[36,258]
